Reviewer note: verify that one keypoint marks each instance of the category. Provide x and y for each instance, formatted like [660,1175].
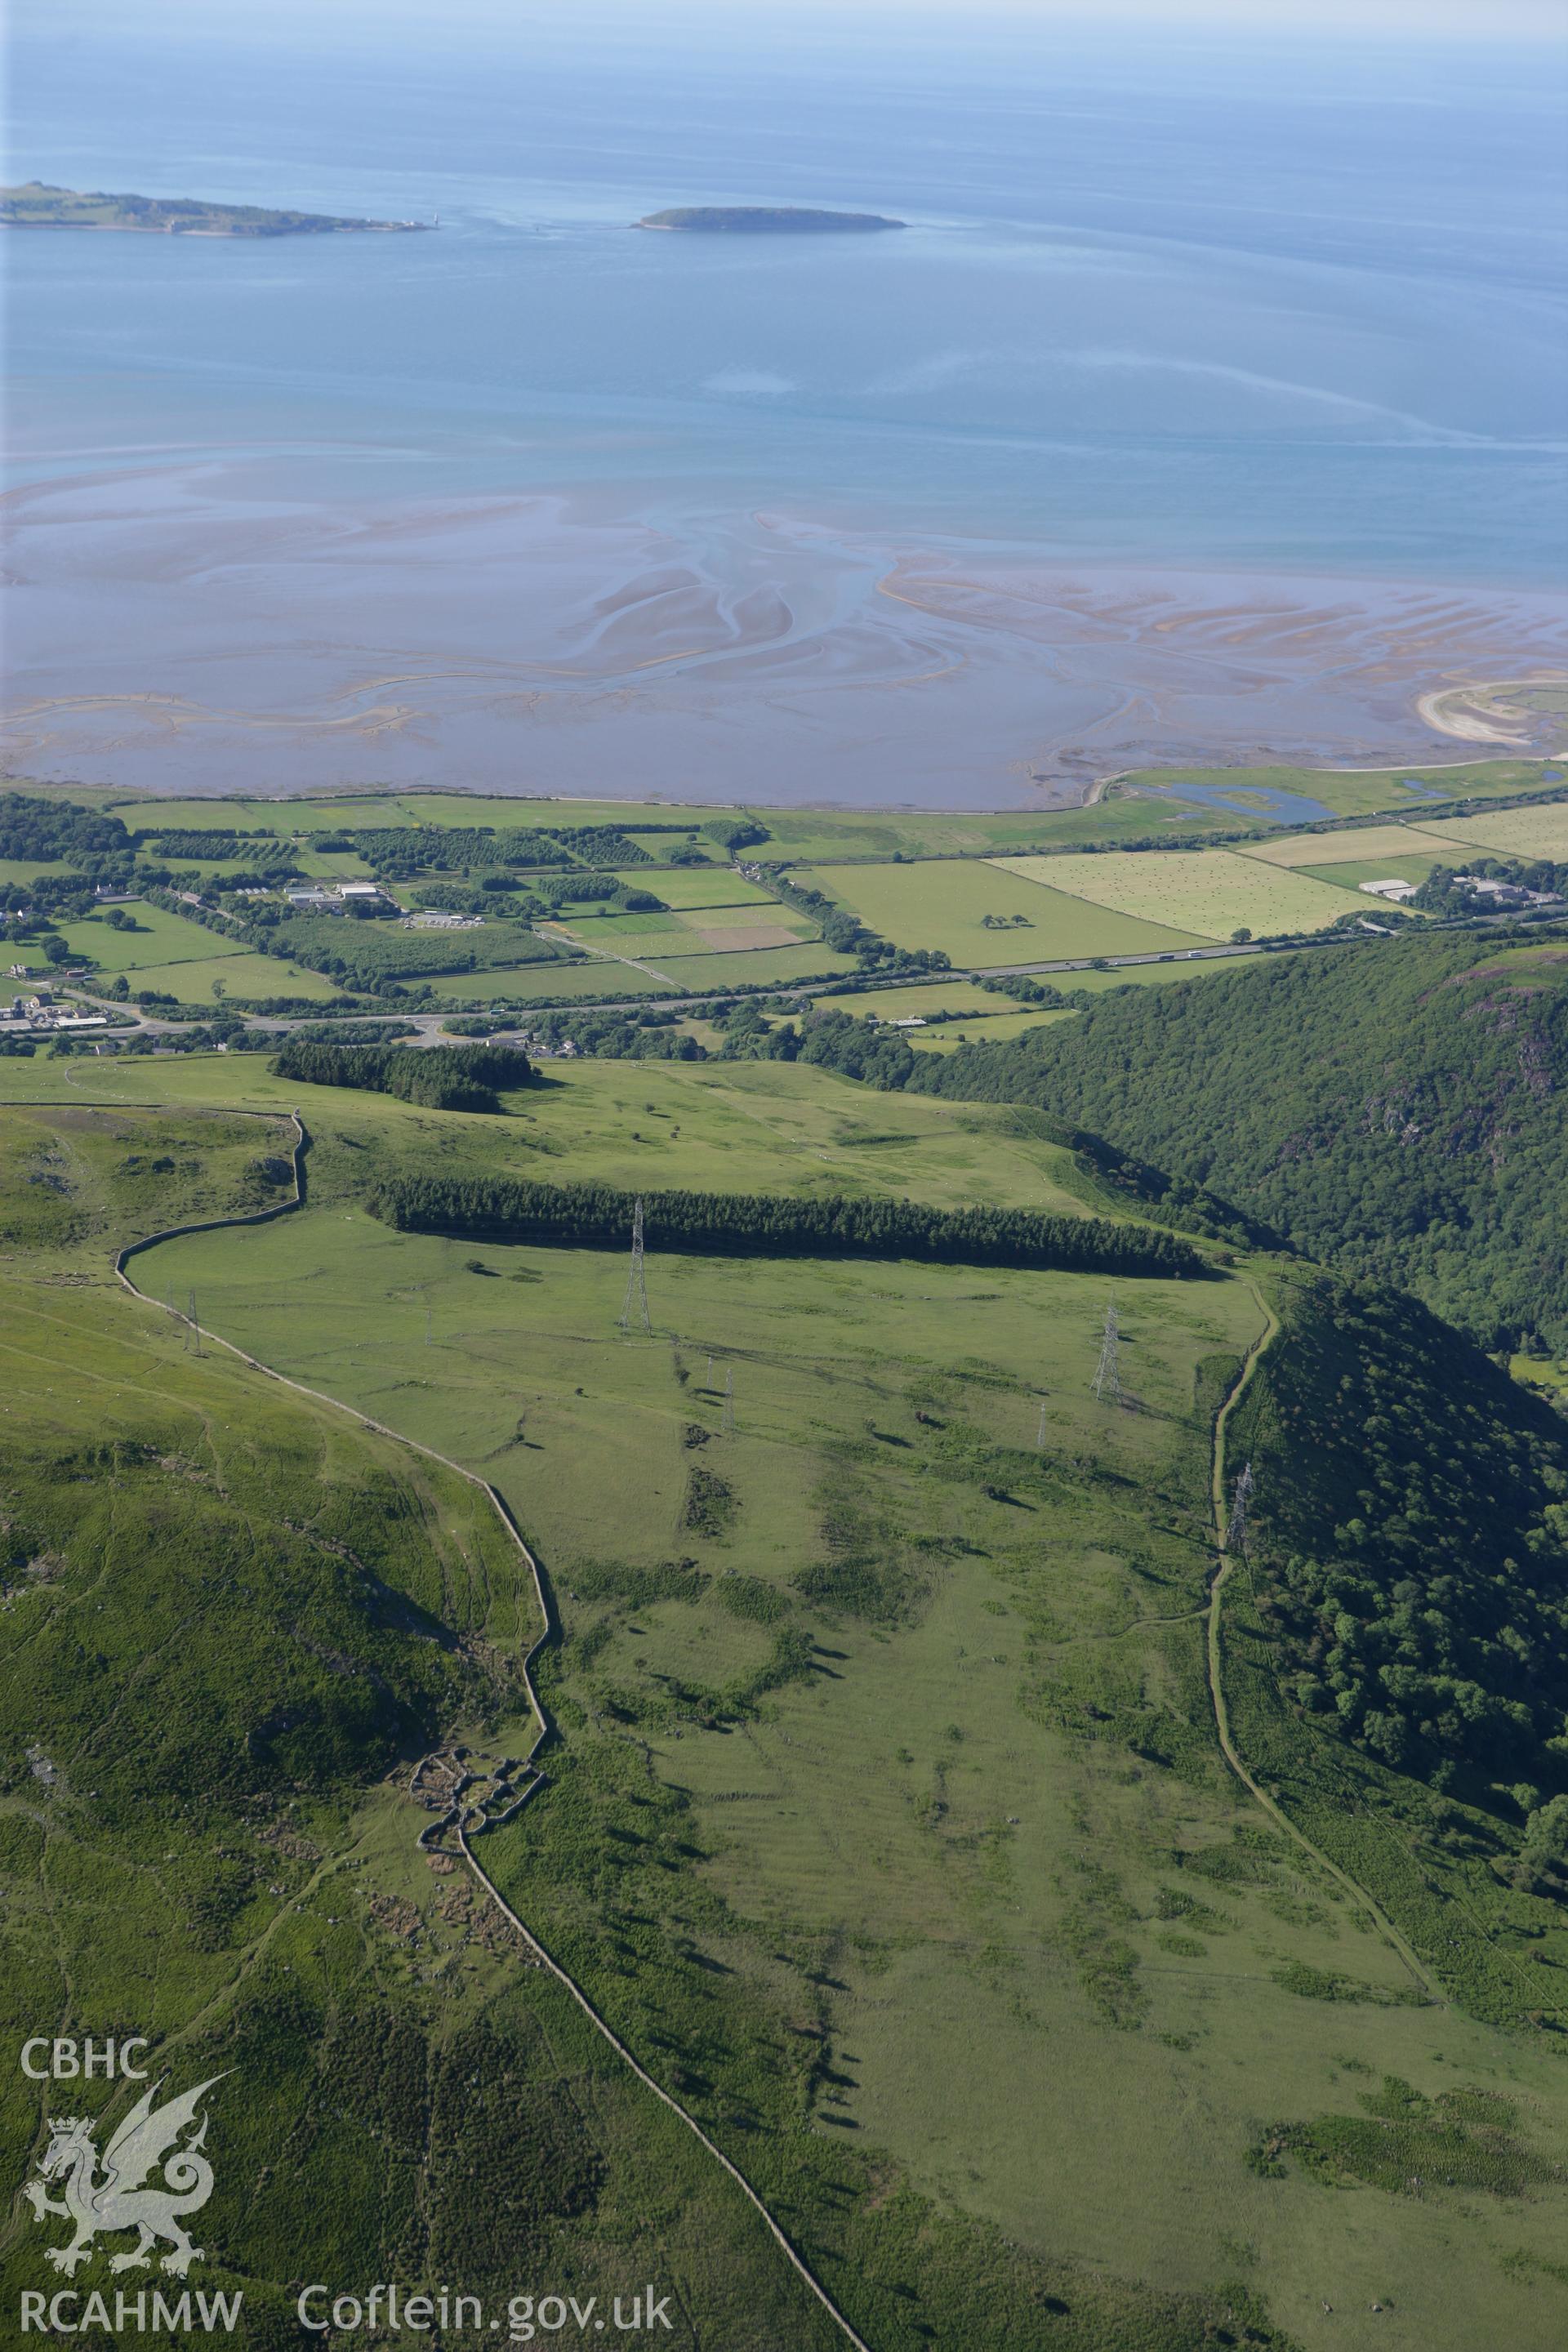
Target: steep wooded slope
[1398,1110]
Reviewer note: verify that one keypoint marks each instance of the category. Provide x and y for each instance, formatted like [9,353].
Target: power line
[729,1400]
[195,1328]
[1040,1433]
[634,1305]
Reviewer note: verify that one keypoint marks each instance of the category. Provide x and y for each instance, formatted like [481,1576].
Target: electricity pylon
[1236,1533]
[729,1401]
[634,1305]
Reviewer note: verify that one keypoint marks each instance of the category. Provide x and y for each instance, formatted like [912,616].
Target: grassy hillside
[715,1127]
[1401,1112]
[227,1611]
[885,1818]
[226,1614]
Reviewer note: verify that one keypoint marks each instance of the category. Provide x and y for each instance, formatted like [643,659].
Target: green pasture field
[245,976]
[333,813]
[1360,842]
[498,945]
[1025,2000]
[925,996]
[755,967]
[695,936]
[331,865]
[316,865]
[283,817]
[604,930]
[27,869]
[723,920]
[939,905]
[94,796]
[159,938]
[191,871]
[503,811]
[877,836]
[1511,833]
[683,931]
[954,1034]
[1208,892]
[633,952]
[545,983]
[752,941]
[1363,791]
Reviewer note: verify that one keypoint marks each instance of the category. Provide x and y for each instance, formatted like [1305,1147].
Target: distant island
[765,220]
[38,205]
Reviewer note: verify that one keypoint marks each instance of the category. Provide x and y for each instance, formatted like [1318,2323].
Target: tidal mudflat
[193,628]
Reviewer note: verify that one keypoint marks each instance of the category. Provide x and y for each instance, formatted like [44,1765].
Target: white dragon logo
[117,2199]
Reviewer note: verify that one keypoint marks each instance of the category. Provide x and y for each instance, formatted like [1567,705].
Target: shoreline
[1463,712]
[238,235]
[12,780]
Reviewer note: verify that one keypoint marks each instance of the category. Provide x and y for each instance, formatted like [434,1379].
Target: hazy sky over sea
[736,21]
[1202,298]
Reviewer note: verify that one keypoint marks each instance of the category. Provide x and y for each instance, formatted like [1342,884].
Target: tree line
[759,1225]
[446,1077]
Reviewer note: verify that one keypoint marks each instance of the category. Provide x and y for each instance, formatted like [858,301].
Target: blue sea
[1257,307]
[1257,302]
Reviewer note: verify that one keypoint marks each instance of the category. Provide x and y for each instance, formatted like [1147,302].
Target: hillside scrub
[744,1225]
